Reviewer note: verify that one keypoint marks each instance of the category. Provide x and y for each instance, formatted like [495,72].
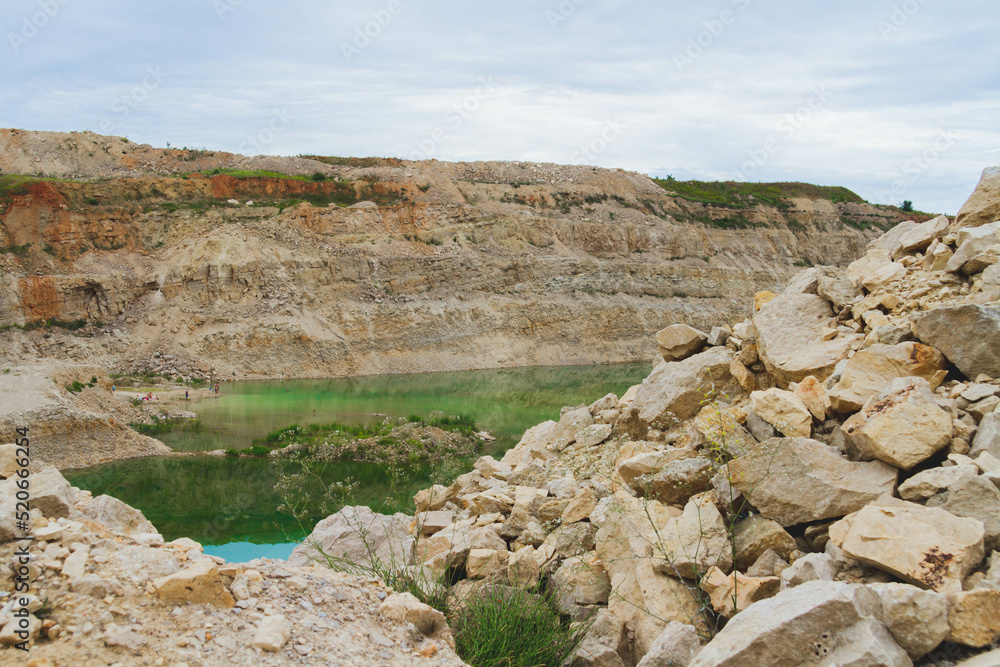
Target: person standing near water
[186,395]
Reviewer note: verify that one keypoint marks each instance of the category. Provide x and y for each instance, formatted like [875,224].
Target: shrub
[907,206]
[512,627]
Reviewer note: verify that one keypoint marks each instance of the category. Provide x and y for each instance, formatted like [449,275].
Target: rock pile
[106,589]
[818,483]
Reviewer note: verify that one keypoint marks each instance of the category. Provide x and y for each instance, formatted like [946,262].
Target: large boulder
[974,619]
[50,493]
[628,543]
[971,244]
[870,370]
[784,411]
[987,436]
[983,206]
[925,546]
[976,498]
[756,535]
[118,516]
[917,618]
[680,341]
[902,426]
[968,335]
[931,482]
[678,481]
[819,622]
[677,391]
[796,480]
[200,583]
[676,646]
[695,542]
[922,235]
[581,581]
[790,333]
[358,538]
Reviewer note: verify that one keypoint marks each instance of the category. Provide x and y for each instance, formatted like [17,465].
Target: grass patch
[734,194]
[513,627]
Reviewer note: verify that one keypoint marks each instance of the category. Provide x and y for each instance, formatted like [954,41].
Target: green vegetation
[76,386]
[392,441]
[19,250]
[74,325]
[513,627]
[742,195]
[907,206]
[359,162]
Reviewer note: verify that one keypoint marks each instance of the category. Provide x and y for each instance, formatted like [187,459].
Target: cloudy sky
[896,99]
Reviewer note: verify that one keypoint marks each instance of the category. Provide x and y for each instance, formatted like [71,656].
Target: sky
[895,99]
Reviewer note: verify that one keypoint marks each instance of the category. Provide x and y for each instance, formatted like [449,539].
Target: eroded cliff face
[377,266]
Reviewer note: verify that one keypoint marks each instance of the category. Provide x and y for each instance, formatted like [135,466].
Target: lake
[230,505]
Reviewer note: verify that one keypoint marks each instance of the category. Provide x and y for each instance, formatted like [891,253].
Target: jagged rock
[755,536]
[925,484]
[811,567]
[973,618]
[141,564]
[593,435]
[272,633]
[676,646]
[677,390]
[784,411]
[678,481]
[680,341]
[357,535]
[731,595]
[569,427]
[790,330]
[650,463]
[606,402]
[580,507]
[719,336]
[428,523]
[825,622]
[937,257]
[97,587]
[490,467]
[580,580]
[976,498]
[902,426]
[812,393]
[838,289]
[118,516]
[885,275]
[972,242]
[870,370]
[482,563]
[604,643]
[434,498]
[523,569]
[531,449]
[722,432]
[199,583]
[50,493]
[983,206]
[922,235]
[406,608]
[759,428]
[572,540]
[969,336]
[795,480]
[770,564]
[987,436]
[694,542]
[918,619]
[873,260]
[922,545]
[645,599]
[890,241]
[125,638]
[8,461]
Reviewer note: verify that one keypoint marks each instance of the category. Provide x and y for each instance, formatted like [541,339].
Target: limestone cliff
[361,266]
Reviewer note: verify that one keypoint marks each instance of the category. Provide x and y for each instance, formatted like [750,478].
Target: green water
[230,505]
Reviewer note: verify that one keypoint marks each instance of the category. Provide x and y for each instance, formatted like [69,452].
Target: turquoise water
[229,504]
